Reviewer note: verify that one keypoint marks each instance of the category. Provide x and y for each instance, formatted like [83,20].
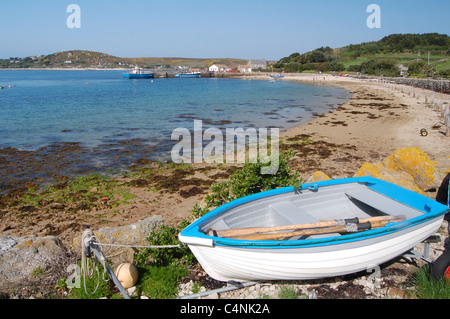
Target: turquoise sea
[98,120]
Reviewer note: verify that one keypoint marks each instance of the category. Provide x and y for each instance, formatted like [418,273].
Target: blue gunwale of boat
[431,209]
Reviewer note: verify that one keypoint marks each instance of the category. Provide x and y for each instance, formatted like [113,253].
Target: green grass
[289,292]
[437,62]
[356,61]
[426,287]
[441,66]
[93,288]
[160,282]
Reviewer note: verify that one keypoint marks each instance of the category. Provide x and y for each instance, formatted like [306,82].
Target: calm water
[100,110]
[44,107]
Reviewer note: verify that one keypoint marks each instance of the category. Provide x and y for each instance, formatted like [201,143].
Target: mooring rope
[134,246]
[88,267]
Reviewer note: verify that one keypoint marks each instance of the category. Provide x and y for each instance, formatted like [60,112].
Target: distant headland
[414,55]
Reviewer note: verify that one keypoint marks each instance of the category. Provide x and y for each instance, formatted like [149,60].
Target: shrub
[384,67]
[165,235]
[249,180]
[354,68]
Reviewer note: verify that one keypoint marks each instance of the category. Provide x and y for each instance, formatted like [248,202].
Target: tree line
[371,54]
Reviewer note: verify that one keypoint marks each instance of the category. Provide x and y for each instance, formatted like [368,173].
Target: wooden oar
[314,231]
[259,230]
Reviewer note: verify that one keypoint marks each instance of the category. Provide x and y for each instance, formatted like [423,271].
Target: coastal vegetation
[417,55]
[91,59]
[423,55]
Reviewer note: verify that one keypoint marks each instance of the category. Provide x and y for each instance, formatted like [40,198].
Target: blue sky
[269,29]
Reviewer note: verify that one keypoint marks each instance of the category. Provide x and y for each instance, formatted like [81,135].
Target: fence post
[448,124]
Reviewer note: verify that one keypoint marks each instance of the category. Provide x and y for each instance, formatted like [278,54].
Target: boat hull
[242,264]
[187,75]
[226,259]
[138,76]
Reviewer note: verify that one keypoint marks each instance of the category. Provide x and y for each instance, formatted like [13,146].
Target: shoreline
[376,121]
[397,122]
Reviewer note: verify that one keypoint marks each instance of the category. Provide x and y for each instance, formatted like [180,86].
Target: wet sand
[375,122]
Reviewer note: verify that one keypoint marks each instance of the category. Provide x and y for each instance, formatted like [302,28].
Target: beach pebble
[56,206]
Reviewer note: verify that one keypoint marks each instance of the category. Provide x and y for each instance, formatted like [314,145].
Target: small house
[245,68]
[218,68]
[257,64]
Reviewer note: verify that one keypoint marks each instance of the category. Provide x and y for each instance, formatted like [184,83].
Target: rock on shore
[27,261]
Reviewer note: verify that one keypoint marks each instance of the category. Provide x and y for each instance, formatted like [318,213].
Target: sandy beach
[378,120]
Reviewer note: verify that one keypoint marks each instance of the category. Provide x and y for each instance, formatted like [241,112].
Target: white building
[257,64]
[218,68]
[244,68]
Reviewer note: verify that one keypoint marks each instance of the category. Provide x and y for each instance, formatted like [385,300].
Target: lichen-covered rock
[387,174]
[443,167]
[410,168]
[21,259]
[416,163]
[318,176]
[130,235]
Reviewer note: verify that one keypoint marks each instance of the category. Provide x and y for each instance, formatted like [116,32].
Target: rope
[87,267]
[134,246]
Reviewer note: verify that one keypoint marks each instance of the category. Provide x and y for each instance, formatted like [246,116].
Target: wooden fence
[430,90]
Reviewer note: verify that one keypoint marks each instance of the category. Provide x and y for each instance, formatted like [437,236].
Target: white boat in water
[188,75]
[325,229]
[138,73]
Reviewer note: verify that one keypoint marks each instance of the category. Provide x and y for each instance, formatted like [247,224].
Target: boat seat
[293,213]
[296,215]
[375,204]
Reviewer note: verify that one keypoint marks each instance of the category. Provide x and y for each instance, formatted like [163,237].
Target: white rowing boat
[311,232]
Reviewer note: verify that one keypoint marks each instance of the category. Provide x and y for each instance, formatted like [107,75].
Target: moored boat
[277,76]
[188,75]
[138,73]
[325,229]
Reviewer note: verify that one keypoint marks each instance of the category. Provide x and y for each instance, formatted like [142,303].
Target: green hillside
[90,59]
[421,55]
